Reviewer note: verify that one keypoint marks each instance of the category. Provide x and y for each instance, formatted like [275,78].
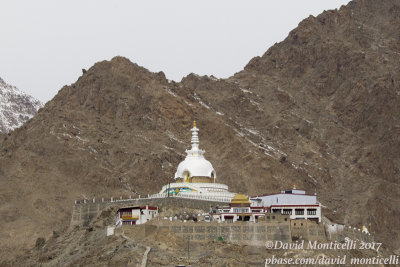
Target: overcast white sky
[45,44]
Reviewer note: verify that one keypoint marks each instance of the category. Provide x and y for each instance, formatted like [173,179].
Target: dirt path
[144,260]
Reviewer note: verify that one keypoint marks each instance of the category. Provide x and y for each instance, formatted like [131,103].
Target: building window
[126,213]
[287,211]
[299,211]
[312,212]
[241,210]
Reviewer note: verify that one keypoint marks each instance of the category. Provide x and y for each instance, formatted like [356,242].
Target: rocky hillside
[16,107]
[320,110]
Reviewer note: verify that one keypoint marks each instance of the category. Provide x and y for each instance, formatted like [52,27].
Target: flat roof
[139,207]
[305,205]
[265,195]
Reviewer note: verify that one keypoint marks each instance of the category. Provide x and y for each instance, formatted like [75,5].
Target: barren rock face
[320,110]
[16,107]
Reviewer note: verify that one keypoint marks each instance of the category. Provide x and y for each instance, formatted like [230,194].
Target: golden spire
[194,124]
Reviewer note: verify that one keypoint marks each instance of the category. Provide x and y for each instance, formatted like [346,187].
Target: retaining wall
[248,233]
[245,233]
[307,230]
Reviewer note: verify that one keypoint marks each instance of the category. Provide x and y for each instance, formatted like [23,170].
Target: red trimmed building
[135,215]
[239,209]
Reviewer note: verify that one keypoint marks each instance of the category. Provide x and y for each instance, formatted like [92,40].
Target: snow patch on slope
[200,101]
[16,107]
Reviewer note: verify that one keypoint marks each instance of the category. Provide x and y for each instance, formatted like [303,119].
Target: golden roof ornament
[240,199]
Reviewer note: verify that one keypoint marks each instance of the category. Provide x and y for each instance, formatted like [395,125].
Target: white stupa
[195,176]
[195,166]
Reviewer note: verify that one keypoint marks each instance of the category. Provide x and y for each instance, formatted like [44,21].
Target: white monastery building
[294,202]
[239,209]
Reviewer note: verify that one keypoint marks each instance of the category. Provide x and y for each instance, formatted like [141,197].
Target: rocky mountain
[320,110]
[16,107]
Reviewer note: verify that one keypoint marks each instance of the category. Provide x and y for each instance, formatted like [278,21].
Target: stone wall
[248,233]
[307,230]
[276,227]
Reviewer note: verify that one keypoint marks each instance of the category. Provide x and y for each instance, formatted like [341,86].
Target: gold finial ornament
[194,123]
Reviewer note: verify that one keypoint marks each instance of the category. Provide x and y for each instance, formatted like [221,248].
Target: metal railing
[213,186]
[195,196]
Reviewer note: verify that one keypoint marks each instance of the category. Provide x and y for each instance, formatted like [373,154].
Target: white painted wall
[110,230]
[287,199]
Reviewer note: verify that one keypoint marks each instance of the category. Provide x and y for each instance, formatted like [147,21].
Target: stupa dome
[195,165]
